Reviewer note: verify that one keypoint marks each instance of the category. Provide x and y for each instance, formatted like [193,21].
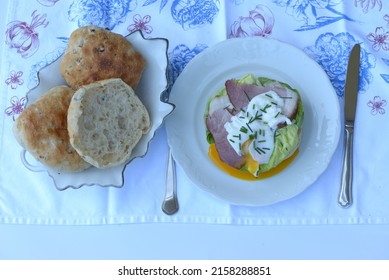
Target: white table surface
[192,241]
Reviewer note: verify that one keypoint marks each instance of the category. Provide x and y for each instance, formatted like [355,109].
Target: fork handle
[345,193]
[170,202]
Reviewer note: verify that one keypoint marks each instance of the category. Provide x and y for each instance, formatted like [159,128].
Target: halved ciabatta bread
[105,121]
[42,130]
[94,54]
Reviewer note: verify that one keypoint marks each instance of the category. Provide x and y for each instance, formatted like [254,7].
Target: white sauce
[257,123]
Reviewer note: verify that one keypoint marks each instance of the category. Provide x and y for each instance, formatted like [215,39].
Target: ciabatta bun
[106,120]
[42,130]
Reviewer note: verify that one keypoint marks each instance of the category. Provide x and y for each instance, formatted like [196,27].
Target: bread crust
[95,54]
[106,119]
[42,130]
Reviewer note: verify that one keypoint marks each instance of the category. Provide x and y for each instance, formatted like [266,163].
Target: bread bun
[42,130]
[105,122]
[95,54]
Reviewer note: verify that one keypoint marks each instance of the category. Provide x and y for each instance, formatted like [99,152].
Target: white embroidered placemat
[36,33]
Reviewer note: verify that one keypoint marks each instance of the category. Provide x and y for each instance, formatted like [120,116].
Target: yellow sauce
[214,156]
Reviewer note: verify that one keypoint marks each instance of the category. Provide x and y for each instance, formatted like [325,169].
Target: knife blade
[350,106]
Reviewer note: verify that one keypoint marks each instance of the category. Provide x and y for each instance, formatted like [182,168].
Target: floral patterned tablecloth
[36,33]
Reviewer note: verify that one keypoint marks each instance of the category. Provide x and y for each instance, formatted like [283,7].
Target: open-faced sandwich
[254,124]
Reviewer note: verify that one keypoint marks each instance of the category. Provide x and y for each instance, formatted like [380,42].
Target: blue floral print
[332,53]
[191,14]
[48,3]
[161,6]
[237,2]
[179,57]
[385,76]
[314,13]
[103,13]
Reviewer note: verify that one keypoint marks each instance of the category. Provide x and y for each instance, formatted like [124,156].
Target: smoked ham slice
[241,94]
[215,124]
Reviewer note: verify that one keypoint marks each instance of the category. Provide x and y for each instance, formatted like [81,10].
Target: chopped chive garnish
[268,95]
[257,117]
[232,140]
[249,127]
[243,129]
[278,113]
[265,108]
[261,141]
[268,149]
[260,151]
[287,97]
[274,103]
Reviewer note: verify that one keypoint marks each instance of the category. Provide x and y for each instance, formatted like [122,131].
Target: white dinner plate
[150,90]
[233,58]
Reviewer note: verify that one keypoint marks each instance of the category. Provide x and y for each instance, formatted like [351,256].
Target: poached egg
[251,132]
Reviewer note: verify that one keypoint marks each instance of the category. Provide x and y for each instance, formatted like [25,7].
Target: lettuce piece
[287,139]
[248,79]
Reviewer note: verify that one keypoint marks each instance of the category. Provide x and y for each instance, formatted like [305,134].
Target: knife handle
[345,193]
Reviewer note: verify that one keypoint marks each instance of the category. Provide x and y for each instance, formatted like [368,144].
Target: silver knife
[350,106]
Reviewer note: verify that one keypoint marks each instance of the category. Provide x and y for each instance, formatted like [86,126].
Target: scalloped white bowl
[150,90]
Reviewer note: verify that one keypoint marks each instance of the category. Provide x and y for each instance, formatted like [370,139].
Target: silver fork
[170,202]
